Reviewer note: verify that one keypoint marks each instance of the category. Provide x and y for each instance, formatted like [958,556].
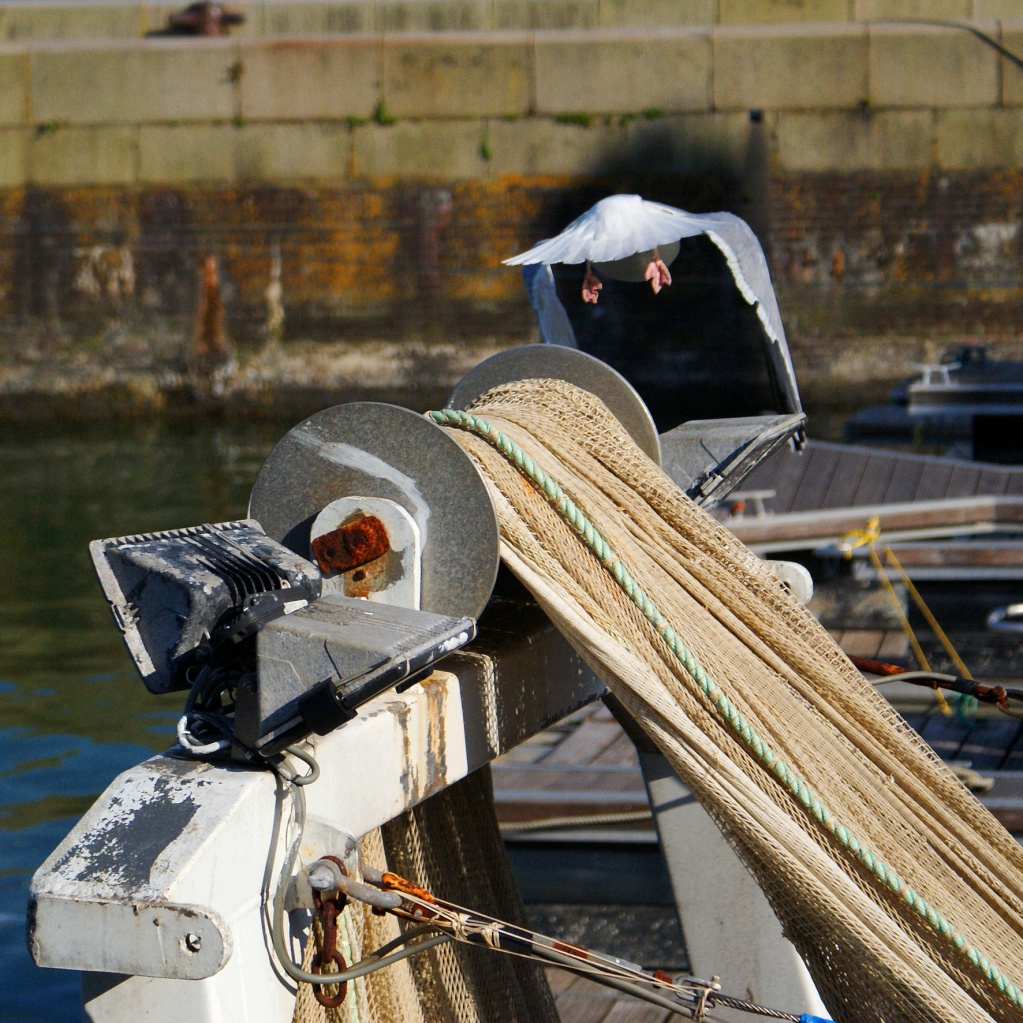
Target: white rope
[190,744]
[464,928]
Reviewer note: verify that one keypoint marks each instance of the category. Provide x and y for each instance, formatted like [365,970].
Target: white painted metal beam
[729,927]
[165,878]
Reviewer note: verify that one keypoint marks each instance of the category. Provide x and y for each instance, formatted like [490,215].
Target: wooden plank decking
[582,1001]
[829,476]
[587,766]
[584,767]
[832,489]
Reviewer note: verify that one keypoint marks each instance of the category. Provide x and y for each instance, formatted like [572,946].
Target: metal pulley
[556,362]
[341,465]
[400,526]
[370,550]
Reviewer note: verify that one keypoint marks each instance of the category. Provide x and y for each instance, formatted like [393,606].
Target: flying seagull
[629,238]
[624,232]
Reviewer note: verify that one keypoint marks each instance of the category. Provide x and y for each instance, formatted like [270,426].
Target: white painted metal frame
[730,929]
[161,892]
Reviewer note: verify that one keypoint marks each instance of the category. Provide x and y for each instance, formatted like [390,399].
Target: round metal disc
[530,362]
[369,449]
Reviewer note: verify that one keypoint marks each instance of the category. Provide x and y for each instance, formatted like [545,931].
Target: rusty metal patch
[352,545]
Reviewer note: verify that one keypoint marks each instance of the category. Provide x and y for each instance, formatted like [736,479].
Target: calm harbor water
[73,713]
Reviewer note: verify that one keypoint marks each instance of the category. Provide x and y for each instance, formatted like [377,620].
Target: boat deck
[582,1001]
[807,501]
[829,476]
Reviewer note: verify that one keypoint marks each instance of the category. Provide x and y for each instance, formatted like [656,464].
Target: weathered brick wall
[924,234]
[378,257]
[63,19]
[379,179]
[880,271]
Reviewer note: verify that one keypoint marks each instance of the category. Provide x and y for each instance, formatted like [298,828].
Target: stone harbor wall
[107,19]
[363,185]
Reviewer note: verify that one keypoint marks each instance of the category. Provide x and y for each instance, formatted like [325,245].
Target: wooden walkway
[586,766]
[585,770]
[582,1001]
[830,476]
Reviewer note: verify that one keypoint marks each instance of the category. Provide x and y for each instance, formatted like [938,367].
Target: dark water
[73,713]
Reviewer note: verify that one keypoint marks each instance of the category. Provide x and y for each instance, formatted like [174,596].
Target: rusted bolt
[193,942]
[351,545]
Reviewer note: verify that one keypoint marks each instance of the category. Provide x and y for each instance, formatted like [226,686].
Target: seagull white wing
[555,326]
[615,228]
[622,225]
[735,238]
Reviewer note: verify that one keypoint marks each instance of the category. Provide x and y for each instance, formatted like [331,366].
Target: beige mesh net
[901,892]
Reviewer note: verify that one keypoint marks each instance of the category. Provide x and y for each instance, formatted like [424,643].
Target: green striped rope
[799,790]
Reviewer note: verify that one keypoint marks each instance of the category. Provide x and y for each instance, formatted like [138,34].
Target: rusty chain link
[326,911]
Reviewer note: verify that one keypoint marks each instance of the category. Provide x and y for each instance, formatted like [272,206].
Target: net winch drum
[555,362]
[370,550]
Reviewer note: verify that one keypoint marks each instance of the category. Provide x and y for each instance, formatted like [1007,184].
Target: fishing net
[901,892]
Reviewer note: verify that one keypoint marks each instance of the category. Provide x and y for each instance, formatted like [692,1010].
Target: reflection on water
[73,713]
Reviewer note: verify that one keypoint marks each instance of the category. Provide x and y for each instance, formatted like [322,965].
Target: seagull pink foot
[657,274]
[591,286]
